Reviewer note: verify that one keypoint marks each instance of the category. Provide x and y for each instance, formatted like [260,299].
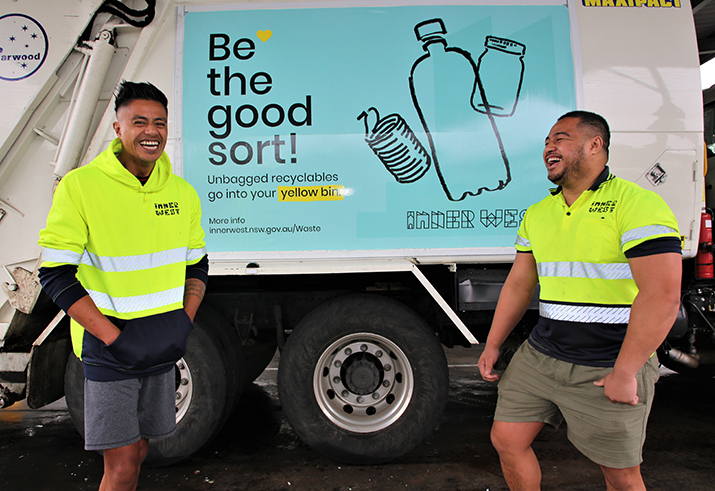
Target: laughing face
[565,152]
[142,127]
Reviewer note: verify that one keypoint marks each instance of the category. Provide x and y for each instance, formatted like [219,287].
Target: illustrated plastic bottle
[465,145]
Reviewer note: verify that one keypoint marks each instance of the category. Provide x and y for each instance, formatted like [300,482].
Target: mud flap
[46,369]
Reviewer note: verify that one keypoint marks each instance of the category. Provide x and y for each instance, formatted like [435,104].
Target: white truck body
[295,97]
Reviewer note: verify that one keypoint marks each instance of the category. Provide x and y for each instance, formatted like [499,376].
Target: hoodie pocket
[150,341]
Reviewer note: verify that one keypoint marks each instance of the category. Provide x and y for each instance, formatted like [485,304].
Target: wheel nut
[337,363]
[336,380]
[375,395]
[378,353]
[388,368]
[181,366]
[386,383]
[359,400]
[348,351]
[184,381]
[178,396]
[363,347]
[345,393]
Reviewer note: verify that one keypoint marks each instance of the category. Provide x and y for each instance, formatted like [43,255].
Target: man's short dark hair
[595,122]
[132,91]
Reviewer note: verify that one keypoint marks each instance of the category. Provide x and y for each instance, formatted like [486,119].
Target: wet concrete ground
[257,450]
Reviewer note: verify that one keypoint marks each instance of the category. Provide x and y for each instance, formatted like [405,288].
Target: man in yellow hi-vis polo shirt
[606,254]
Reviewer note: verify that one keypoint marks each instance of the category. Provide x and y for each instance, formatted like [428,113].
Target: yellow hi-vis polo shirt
[581,253]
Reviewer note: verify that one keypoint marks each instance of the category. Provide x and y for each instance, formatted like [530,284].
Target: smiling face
[565,152]
[142,127]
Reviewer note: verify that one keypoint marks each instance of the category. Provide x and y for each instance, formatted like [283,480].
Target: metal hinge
[696,172]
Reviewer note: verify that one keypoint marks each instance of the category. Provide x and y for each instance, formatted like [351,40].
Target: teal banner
[371,128]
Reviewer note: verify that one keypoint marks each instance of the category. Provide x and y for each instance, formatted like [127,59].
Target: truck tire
[208,383]
[203,399]
[363,379]
[234,357]
[74,392]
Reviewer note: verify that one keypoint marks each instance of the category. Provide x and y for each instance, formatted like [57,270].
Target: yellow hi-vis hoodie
[131,244]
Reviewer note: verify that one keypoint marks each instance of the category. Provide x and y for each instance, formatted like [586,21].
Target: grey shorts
[540,388]
[121,412]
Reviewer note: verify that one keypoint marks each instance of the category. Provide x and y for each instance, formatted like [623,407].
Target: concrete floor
[257,450]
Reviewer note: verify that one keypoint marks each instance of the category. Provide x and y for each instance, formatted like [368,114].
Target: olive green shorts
[539,388]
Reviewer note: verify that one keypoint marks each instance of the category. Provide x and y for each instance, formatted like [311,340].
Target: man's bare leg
[518,462]
[628,479]
[122,466]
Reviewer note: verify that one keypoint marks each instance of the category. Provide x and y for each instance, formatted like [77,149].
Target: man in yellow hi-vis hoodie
[124,255]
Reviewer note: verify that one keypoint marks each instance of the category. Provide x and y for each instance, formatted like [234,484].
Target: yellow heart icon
[264,35]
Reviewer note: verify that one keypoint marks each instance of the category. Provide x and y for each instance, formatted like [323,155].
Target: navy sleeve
[200,270]
[655,246]
[62,285]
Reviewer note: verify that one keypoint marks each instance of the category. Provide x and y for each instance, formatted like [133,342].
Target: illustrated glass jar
[500,70]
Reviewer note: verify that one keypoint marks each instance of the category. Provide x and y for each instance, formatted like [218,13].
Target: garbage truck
[363,168]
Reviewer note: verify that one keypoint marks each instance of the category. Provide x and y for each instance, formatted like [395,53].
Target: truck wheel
[202,399]
[74,392]
[234,357]
[203,396]
[363,379]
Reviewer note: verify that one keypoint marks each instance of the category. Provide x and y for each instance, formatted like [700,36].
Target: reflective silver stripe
[59,256]
[582,313]
[194,254]
[140,262]
[521,241]
[646,232]
[601,271]
[138,303]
